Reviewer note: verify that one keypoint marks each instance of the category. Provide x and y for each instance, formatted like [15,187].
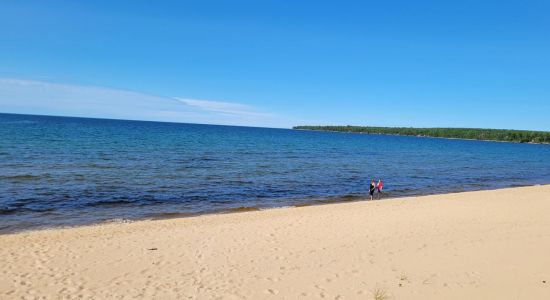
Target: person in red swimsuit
[379,187]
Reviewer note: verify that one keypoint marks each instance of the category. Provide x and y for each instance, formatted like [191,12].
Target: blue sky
[280,63]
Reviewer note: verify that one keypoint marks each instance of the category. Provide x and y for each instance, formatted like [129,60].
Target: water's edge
[244,209]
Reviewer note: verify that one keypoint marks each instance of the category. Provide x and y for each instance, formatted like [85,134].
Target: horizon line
[137,120]
[247,126]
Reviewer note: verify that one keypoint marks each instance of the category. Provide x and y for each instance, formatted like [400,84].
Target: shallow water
[65,171]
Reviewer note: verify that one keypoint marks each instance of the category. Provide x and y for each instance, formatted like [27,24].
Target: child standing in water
[371,188]
[379,187]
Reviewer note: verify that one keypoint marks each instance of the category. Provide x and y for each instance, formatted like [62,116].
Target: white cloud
[225,108]
[38,97]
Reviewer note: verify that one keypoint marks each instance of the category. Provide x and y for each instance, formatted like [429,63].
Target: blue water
[57,171]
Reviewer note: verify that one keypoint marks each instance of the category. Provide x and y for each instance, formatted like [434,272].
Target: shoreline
[236,210]
[489,244]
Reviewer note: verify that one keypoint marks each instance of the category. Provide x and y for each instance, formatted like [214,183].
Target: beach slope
[473,245]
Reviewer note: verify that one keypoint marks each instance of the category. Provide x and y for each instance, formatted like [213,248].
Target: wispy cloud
[39,97]
[225,108]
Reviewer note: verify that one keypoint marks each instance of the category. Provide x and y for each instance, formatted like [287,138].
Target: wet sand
[474,245]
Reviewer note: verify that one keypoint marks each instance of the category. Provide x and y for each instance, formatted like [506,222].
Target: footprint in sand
[272,291]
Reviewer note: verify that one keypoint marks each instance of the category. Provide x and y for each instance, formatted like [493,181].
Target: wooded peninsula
[505,135]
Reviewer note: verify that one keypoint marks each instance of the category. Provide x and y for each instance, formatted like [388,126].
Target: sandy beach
[473,245]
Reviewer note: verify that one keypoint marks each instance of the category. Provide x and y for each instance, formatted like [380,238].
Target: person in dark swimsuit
[372,187]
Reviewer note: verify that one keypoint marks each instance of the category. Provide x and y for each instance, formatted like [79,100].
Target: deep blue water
[65,171]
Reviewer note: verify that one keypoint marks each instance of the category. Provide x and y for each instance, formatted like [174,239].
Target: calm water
[65,171]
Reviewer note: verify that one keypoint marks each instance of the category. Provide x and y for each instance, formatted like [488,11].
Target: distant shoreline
[472,134]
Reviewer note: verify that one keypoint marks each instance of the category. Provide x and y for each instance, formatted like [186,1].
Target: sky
[483,64]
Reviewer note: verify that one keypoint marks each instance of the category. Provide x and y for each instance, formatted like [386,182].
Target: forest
[505,135]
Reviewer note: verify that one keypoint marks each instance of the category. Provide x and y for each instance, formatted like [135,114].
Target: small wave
[221,201]
[118,221]
[518,185]
[23,177]
[420,177]
[8,211]
[243,209]
[19,122]
[349,197]
[170,215]
[18,208]
[109,202]
[98,166]
[407,190]
[205,158]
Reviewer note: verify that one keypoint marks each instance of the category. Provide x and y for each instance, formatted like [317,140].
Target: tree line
[506,135]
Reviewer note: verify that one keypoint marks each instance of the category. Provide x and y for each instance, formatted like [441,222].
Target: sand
[473,245]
